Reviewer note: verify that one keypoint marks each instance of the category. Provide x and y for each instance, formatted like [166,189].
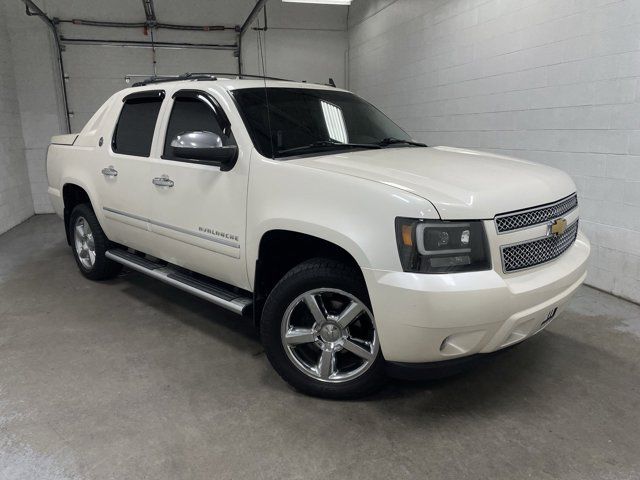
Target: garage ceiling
[232,12]
[203,12]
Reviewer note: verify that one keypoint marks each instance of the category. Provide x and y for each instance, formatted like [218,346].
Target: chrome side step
[214,293]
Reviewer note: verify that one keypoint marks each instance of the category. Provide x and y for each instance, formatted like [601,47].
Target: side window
[193,114]
[136,124]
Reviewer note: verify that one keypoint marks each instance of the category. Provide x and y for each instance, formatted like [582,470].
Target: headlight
[441,247]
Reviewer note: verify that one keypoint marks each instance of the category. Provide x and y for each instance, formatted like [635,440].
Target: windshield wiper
[393,141]
[330,144]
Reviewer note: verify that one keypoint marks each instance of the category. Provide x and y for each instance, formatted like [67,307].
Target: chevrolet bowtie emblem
[558,227]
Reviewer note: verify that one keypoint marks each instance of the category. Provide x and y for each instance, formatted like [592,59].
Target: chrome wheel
[329,335]
[84,244]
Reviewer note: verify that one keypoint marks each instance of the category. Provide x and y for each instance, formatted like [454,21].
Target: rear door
[198,212]
[124,178]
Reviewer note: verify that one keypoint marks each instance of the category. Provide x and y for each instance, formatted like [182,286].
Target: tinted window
[192,115]
[297,117]
[136,125]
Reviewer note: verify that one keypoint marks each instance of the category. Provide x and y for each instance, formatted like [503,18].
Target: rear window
[137,122]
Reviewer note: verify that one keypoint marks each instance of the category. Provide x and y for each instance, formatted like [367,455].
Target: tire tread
[103,268]
[310,271]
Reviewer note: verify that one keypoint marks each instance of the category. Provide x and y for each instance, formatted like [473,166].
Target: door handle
[163,181]
[110,171]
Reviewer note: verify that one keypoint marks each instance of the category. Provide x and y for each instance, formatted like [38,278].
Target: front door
[198,211]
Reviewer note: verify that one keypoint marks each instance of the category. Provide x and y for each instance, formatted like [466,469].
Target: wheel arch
[73,194]
[281,249]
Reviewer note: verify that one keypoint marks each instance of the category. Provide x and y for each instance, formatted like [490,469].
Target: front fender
[356,214]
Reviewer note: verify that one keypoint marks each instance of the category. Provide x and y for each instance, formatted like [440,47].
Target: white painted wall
[16,204]
[303,42]
[310,55]
[554,81]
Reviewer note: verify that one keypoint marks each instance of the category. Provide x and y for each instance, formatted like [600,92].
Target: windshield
[305,121]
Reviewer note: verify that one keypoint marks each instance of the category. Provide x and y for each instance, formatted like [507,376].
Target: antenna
[262,54]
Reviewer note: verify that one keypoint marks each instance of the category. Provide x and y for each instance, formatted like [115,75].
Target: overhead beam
[252,16]
[150,13]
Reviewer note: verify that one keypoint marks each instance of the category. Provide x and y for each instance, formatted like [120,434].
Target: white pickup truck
[359,252]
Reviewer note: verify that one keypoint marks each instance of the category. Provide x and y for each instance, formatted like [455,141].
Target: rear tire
[319,333]
[89,245]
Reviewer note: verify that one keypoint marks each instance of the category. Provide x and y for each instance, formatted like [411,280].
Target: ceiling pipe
[146,44]
[203,28]
[33,10]
[159,25]
[100,23]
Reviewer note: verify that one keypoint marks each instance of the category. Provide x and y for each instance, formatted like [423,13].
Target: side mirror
[204,147]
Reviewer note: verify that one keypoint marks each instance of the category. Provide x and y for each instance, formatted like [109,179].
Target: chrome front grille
[508,222]
[535,252]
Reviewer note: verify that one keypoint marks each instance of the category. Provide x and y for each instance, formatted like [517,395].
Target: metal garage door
[96,72]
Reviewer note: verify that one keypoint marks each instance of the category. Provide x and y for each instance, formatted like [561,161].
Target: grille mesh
[516,221]
[525,255]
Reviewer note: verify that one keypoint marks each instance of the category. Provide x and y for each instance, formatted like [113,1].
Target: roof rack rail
[199,77]
[173,78]
[245,75]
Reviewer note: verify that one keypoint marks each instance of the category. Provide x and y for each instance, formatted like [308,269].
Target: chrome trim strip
[550,220]
[222,241]
[125,214]
[66,144]
[533,209]
[236,305]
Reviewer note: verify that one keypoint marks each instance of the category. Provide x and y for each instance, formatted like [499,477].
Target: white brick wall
[554,81]
[30,47]
[15,192]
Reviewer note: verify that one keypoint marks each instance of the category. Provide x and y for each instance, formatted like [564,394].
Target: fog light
[460,343]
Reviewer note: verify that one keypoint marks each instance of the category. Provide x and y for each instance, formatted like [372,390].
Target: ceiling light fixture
[325,2]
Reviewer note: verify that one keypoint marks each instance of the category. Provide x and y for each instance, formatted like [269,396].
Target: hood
[461,184]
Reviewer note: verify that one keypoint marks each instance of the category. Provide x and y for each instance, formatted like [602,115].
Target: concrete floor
[132,379]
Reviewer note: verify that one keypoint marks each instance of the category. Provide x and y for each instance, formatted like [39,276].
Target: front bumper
[431,318]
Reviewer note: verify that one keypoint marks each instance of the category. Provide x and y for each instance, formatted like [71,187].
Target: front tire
[319,333]
[89,245]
